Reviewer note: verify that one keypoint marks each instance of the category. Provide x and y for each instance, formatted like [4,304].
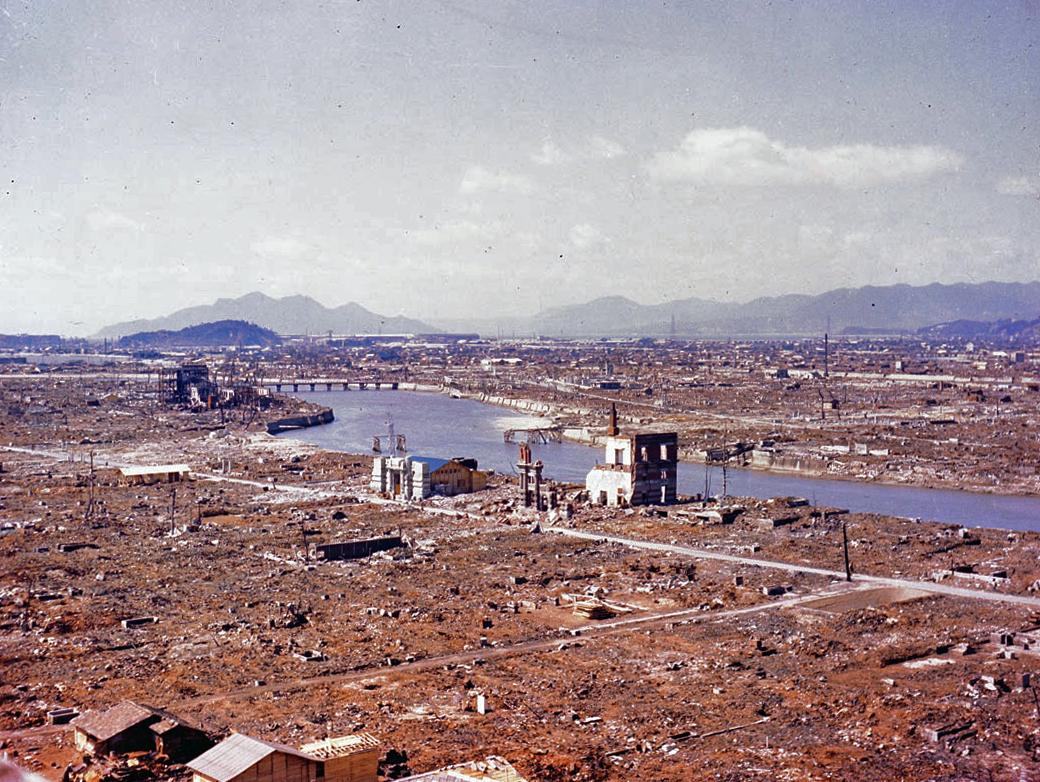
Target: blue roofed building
[417,477]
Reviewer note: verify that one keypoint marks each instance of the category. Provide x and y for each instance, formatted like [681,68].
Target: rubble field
[596,660]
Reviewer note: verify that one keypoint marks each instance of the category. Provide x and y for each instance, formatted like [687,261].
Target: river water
[437,425]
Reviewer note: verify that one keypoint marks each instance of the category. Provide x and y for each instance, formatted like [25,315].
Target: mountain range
[891,309]
[287,315]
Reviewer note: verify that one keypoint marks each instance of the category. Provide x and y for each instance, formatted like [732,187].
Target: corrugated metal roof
[103,725]
[237,753]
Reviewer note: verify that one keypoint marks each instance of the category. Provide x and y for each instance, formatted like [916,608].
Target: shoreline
[581,436]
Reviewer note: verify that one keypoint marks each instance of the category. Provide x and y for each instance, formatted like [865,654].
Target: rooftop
[237,753]
[103,725]
[158,469]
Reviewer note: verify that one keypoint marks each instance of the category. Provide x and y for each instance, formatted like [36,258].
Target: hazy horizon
[457,159]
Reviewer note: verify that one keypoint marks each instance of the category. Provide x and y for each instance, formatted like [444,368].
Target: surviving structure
[136,727]
[192,385]
[241,758]
[530,478]
[417,477]
[159,473]
[639,469]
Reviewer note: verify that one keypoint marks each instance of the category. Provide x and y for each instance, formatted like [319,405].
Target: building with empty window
[638,469]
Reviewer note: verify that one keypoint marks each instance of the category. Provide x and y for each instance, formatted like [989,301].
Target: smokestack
[612,427]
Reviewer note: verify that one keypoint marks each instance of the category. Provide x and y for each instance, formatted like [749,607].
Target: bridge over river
[296,385]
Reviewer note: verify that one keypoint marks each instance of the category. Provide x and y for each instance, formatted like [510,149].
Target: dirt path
[696,553]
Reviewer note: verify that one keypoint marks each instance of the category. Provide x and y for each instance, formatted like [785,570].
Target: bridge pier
[295,387]
[278,387]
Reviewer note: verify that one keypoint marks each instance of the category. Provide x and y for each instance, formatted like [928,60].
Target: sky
[470,158]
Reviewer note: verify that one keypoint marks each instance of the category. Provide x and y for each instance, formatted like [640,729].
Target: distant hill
[1006,331]
[30,341]
[222,333]
[288,315]
[891,309]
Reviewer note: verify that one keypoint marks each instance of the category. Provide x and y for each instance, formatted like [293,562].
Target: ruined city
[519,391]
[192,588]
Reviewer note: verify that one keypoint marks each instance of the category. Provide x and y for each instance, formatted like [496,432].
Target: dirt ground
[707,668]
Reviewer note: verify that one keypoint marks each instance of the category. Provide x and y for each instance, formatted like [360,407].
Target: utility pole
[89,513]
[173,509]
[845,545]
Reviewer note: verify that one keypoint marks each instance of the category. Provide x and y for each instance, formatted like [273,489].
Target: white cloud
[597,148]
[100,219]
[584,235]
[477,179]
[1019,186]
[550,154]
[281,247]
[604,148]
[747,157]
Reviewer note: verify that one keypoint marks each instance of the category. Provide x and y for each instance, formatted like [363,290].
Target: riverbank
[808,465]
[292,423]
[440,426]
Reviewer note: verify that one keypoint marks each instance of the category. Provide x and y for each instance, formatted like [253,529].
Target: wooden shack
[138,727]
[347,758]
[122,728]
[246,759]
[454,476]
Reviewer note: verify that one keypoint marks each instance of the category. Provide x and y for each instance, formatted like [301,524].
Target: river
[438,425]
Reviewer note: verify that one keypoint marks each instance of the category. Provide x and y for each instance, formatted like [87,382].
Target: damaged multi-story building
[639,468]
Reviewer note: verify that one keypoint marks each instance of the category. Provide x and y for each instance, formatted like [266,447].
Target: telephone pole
[845,545]
[173,509]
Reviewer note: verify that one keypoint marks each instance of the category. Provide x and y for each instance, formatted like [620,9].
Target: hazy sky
[442,158]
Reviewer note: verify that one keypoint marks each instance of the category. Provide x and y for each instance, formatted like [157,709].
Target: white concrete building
[401,477]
